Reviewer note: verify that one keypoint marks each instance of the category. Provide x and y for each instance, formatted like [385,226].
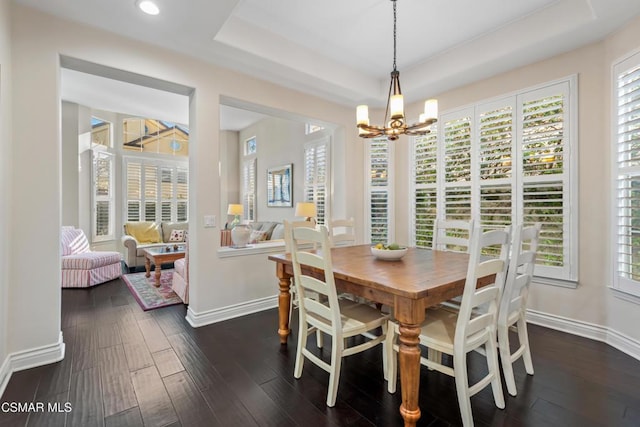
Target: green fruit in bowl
[394,247]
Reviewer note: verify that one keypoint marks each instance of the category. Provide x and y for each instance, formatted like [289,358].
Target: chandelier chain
[394,35]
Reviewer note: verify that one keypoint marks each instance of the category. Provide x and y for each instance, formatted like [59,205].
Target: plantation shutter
[103,221]
[316,177]
[150,185]
[182,195]
[457,166]
[249,189]
[545,179]
[626,170]
[156,191]
[380,196]
[495,154]
[424,181]
[167,192]
[134,191]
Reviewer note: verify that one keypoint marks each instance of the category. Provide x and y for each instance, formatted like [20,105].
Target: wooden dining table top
[420,274]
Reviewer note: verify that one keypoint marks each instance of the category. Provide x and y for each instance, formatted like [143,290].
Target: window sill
[626,296]
[571,284]
[255,249]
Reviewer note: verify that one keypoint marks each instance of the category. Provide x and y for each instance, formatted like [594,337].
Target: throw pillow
[177,236]
[257,236]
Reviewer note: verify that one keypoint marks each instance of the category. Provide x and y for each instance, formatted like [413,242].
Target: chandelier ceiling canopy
[394,118]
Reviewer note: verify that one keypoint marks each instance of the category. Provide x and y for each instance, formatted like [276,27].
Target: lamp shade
[235,209]
[306,209]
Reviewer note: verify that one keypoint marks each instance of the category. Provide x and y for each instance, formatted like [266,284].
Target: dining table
[421,279]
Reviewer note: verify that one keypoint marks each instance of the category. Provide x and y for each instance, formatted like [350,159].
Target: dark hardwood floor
[126,367]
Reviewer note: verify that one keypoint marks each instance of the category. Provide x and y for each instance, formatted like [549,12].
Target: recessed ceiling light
[148,7]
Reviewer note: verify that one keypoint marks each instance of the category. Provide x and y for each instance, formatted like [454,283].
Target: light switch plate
[209,221]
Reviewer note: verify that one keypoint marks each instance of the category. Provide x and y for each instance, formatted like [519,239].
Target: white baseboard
[31,358]
[230,312]
[614,338]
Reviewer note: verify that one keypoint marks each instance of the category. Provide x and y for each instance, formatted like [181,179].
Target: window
[507,161]
[310,128]
[249,188]
[316,176]
[100,132]
[156,190]
[626,173]
[103,196]
[155,136]
[250,146]
[379,195]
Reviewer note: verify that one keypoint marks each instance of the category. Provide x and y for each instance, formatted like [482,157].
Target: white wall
[280,142]
[6,141]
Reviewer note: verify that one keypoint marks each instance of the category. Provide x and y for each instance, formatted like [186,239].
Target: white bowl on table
[388,254]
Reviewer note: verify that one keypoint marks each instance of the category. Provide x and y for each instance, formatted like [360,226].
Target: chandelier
[394,118]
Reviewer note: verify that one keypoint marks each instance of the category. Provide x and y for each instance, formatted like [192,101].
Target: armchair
[82,267]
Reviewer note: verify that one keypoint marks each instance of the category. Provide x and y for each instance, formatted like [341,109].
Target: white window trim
[625,289]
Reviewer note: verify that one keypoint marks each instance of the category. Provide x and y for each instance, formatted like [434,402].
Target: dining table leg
[284,303]
[409,359]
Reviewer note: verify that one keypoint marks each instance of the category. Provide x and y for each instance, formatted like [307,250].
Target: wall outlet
[209,221]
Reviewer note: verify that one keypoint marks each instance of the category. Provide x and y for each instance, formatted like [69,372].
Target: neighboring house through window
[156,170]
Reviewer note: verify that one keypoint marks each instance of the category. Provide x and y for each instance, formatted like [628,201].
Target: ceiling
[343,50]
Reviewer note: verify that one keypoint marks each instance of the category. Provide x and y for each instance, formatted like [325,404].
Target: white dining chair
[339,318]
[459,332]
[513,303]
[343,232]
[452,235]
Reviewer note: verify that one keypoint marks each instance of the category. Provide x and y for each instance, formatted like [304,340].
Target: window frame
[325,141]
[96,152]
[389,188]
[567,275]
[623,287]
[158,164]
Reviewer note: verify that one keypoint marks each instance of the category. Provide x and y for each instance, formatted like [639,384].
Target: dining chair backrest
[523,259]
[513,303]
[311,290]
[343,232]
[479,306]
[452,235]
[289,225]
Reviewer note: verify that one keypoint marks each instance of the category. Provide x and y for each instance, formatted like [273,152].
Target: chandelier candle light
[394,118]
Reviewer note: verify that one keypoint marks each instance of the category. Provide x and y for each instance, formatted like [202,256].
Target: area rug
[148,296]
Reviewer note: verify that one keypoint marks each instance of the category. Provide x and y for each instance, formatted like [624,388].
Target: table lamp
[237,211]
[307,210]
[240,233]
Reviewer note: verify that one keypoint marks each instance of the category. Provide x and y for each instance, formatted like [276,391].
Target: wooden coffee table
[159,255]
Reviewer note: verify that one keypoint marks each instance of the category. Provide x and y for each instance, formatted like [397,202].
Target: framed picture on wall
[280,186]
